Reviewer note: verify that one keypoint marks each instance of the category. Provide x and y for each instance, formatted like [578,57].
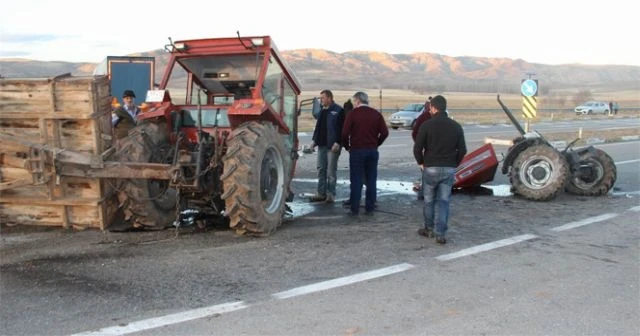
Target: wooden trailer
[40,118]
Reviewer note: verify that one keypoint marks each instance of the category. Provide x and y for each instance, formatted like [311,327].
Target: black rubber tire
[148,204]
[539,173]
[255,179]
[602,178]
[394,127]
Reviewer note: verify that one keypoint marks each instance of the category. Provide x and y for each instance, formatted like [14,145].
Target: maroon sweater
[364,128]
[424,116]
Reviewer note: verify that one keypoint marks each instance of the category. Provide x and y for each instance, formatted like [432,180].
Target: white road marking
[584,222]
[162,321]
[625,193]
[628,161]
[486,247]
[339,282]
[635,208]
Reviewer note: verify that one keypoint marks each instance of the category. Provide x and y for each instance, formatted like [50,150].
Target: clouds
[20,45]
[27,38]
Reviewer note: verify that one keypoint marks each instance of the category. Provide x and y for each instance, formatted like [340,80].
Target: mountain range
[421,72]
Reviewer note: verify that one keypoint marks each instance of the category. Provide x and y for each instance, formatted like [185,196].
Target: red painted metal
[477,167]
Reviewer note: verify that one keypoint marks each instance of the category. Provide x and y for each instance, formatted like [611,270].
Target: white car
[406,117]
[593,107]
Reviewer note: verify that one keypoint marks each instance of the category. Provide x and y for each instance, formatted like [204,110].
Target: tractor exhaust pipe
[511,117]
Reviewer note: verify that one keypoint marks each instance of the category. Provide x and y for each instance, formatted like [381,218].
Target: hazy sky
[540,31]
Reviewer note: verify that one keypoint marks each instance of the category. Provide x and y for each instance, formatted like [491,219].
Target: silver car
[407,116]
[592,107]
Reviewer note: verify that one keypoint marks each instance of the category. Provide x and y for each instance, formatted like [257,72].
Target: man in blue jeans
[327,136]
[439,148]
[363,132]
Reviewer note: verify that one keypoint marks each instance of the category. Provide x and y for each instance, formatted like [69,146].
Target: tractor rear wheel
[596,175]
[539,173]
[254,179]
[148,203]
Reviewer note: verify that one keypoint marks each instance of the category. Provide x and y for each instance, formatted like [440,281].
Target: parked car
[592,107]
[407,116]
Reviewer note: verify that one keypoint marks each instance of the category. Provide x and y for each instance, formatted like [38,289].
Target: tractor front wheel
[255,179]
[595,176]
[539,173]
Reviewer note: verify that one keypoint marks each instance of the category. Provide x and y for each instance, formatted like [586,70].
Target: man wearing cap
[124,118]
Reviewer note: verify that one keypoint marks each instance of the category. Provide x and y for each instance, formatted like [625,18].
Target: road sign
[529,87]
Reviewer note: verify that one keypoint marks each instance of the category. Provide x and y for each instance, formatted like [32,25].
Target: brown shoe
[440,240]
[426,233]
[317,198]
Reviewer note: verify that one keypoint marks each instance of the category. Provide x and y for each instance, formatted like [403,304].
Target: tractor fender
[520,145]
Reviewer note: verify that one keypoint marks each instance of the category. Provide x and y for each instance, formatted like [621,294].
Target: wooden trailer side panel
[67,113]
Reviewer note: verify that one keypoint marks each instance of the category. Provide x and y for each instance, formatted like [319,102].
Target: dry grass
[461,106]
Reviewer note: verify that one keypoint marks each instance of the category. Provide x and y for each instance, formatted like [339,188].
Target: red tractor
[222,131]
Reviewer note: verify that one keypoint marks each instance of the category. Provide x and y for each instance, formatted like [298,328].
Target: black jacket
[440,142]
[329,126]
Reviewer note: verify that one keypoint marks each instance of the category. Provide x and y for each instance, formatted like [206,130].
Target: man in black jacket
[326,136]
[439,148]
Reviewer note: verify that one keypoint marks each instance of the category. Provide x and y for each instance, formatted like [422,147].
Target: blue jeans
[327,170]
[363,165]
[437,183]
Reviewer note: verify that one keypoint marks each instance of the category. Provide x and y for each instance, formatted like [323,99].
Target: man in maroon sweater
[363,132]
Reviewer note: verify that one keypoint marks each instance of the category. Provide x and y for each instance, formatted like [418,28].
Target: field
[483,108]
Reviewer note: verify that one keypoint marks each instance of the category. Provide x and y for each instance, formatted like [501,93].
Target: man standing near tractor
[326,136]
[439,148]
[124,118]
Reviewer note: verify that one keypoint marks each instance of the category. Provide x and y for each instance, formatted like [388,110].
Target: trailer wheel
[596,175]
[148,203]
[254,179]
[539,172]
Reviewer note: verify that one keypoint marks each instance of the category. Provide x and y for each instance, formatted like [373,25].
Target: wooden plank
[82,108]
[86,216]
[15,184]
[31,214]
[76,134]
[62,201]
[11,173]
[12,159]
[79,83]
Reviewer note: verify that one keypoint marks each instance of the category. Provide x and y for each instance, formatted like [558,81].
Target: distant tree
[582,96]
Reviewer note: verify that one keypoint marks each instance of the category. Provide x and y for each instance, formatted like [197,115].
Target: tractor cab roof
[224,66]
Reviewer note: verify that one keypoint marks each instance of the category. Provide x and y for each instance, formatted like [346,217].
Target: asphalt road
[569,266]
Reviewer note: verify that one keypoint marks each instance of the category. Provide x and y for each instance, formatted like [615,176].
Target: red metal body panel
[477,167]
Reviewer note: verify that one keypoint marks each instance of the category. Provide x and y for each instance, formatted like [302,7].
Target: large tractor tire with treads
[539,173]
[147,203]
[255,179]
[596,176]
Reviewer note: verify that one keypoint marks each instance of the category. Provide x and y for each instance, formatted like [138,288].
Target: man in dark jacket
[124,118]
[363,132]
[439,148]
[326,136]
